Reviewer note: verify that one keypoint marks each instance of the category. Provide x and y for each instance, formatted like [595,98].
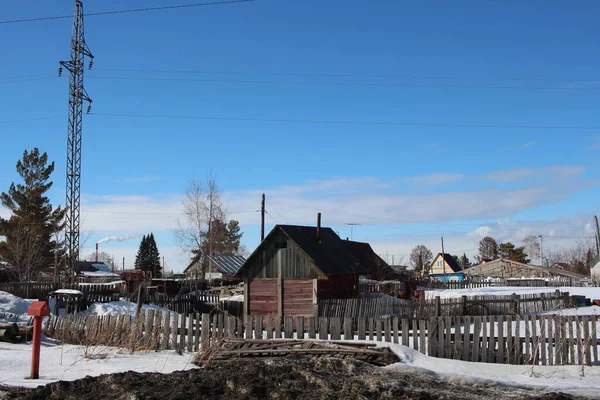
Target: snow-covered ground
[589,292]
[563,378]
[13,308]
[121,307]
[68,362]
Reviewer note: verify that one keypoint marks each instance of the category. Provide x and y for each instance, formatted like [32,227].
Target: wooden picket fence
[424,308]
[532,340]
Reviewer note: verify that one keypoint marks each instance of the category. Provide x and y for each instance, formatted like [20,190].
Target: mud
[286,378]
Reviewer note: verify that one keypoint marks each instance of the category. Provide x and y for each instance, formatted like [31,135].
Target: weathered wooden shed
[296,266]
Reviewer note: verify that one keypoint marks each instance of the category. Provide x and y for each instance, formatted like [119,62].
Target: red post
[39,309]
[36,344]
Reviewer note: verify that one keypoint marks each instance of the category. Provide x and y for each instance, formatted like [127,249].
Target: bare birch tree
[202,206]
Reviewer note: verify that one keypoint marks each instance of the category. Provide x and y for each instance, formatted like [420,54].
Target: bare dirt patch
[283,378]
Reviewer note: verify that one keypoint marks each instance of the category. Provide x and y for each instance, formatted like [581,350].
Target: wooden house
[296,266]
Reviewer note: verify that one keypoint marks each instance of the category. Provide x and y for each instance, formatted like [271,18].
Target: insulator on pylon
[60,71]
[91,64]
[89,108]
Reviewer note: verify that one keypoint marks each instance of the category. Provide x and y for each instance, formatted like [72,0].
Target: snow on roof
[67,291]
[101,267]
[113,283]
[98,273]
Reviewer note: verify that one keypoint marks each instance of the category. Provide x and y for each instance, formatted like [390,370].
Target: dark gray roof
[330,254]
[227,264]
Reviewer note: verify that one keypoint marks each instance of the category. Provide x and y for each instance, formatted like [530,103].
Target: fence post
[438,306]
[514,303]
[566,299]
[464,306]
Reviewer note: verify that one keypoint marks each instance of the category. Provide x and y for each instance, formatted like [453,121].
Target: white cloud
[523,174]
[527,145]
[436,179]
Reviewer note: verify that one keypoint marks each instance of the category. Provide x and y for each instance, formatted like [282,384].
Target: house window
[439,263]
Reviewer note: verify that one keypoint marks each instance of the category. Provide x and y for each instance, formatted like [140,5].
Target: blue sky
[378,62]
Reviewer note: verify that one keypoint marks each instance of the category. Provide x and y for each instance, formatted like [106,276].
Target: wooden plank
[362,328]
[205,330]
[395,329]
[476,339]
[571,330]
[406,333]
[276,327]
[336,328]
[543,338]
[579,343]
[348,331]
[422,336]
[466,355]
[448,338]
[148,320]
[387,330]
[431,336]
[378,329]
[323,328]
[258,327]
[557,342]
[526,323]
[190,333]
[535,342]
[594,321]
[248,327]
[509,340]
[371,328]
[585,320]
[288,327]
[174,331]
[484,339]
[300,327]
[549,340]
[312,327]
[501,344]
[457,348]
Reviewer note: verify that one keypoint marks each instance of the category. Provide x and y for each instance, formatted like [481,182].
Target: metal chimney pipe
[96,252]
[318,227]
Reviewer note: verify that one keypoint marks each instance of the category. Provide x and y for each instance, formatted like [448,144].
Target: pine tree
[139,258]
[464,262]
[30,232]
[148,257]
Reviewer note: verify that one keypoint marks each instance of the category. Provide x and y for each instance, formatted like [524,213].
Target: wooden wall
[296,297]
[279,249]
[262,296]
[338,287]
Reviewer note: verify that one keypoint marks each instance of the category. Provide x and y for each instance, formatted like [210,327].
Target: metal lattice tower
[77,95]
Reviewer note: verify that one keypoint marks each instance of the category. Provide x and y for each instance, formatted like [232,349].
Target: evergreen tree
[30,232]
[226,239]
[508,251]
[464,262]
[139,258]
[148,257]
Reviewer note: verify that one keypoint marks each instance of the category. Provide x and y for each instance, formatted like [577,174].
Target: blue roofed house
[221,266]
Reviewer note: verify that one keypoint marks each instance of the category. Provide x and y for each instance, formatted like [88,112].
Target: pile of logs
[237,348]
[13,333]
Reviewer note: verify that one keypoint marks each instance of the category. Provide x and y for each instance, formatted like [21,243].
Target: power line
[31,119]
[363,84]
[154,213]
[348,122]
[26,80]
[127,11]
[341,75]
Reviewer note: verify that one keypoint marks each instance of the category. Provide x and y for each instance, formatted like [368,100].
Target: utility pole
[262,218]
[597,235]
[541,251]
[443,256]
[77,95]
[123,263]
